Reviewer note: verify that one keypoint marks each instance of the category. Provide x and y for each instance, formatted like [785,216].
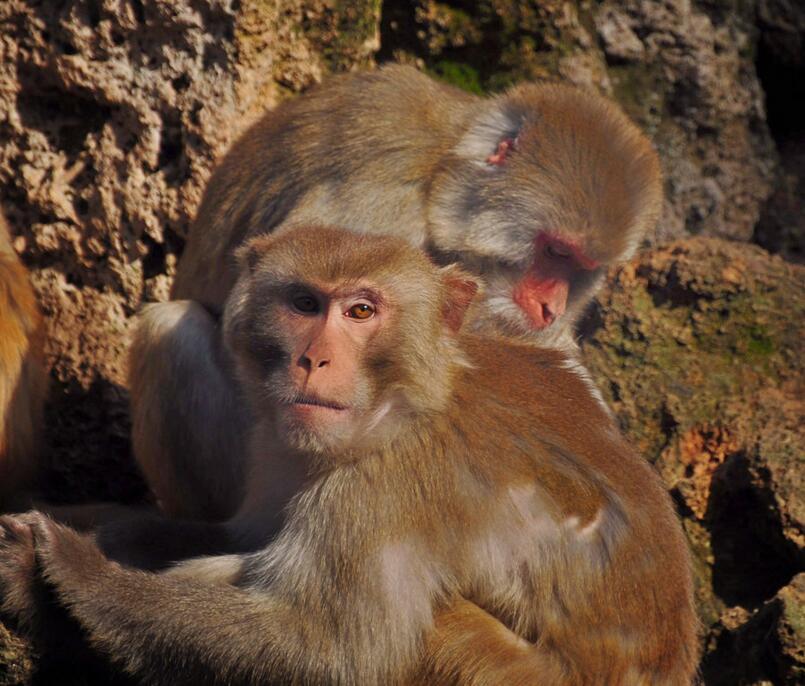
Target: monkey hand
[461,644]
[18,568]
[37,554]
[66,558]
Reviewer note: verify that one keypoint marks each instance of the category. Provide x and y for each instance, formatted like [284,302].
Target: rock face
[16,665]
[113,112]
[697,346]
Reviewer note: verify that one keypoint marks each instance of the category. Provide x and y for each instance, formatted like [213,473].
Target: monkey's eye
[305,304]
[558,251]
[360,311]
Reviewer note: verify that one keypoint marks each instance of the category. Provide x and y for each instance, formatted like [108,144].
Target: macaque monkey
[538,190]
[463,502]
[23,382]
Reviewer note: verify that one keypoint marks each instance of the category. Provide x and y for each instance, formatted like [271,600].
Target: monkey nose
[309,362]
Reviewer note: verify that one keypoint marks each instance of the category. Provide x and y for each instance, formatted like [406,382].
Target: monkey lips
[311,409]
[312,420]
[311,402]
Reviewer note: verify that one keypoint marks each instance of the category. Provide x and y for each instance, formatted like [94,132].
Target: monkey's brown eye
[556,251]
[306,304]
[360,311]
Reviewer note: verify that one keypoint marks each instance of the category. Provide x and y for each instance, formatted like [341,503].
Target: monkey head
[548,187]
[339,337]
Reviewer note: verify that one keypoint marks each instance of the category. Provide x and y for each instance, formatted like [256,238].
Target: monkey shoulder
[537,408]
[532,378]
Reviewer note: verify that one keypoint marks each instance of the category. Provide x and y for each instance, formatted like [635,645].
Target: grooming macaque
[538,191]
[460,501]
[23,381]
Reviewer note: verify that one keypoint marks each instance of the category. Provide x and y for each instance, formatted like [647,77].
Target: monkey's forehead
[326,253]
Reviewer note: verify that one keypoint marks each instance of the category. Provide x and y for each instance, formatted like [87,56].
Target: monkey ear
[251,252]
[460,290]
[505,147]
[493,136]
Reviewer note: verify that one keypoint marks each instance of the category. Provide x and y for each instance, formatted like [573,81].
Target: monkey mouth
[315,401]
[540,314]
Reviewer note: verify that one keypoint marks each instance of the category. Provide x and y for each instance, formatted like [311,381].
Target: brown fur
[23,382]
[495,524]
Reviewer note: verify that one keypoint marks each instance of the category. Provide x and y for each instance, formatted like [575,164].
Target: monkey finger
[63,552]
[14,529]
[17,567]
[16,536]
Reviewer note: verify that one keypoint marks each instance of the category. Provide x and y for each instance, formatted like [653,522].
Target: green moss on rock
[487,45]
[460,75]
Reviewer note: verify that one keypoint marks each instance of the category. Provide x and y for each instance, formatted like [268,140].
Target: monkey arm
[149,622]
[469,646]
[141,536]
[85,516]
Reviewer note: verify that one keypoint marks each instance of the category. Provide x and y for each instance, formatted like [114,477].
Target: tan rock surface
[111,116]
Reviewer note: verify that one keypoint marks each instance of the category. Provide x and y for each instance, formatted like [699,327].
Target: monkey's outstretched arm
[154,623]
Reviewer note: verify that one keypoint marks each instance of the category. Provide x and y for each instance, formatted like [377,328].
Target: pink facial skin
[331,331]
[542,293]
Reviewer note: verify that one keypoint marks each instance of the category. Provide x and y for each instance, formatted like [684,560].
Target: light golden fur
[393,151]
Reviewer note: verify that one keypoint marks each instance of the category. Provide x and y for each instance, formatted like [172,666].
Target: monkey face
[323,400]
[303,354]
[339,338]
[546,188]
[528,299]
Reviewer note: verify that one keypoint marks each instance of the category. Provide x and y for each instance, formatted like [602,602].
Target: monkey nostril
[322,363]
[547,315]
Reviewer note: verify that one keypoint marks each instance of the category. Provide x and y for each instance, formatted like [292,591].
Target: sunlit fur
[544,517]
[580,169]
[23,382]
[504,534]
